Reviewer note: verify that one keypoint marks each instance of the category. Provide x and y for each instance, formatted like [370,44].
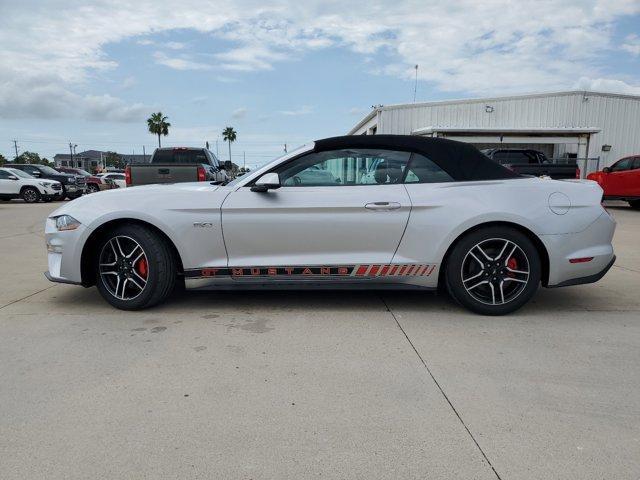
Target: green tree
[229,135]
[31,157]
[112,159]
[3,160]
[158,125]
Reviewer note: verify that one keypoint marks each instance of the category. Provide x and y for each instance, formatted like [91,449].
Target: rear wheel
[135,268]
[635,204]
[30,195]
[493,270]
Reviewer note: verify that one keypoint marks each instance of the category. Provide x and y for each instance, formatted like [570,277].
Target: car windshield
[19,173]
[84,173]
[48,170]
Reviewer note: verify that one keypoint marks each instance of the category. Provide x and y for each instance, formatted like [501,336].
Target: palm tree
[229,135]
[158,125]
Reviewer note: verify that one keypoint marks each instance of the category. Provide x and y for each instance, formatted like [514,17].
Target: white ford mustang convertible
[358,211]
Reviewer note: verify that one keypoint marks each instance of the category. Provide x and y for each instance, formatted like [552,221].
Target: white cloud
[607,85]
[180,63]
[303,110]
[239,113]
[632,44]
[489,47]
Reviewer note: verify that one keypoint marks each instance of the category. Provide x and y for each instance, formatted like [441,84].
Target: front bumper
[51,278]
[64,253]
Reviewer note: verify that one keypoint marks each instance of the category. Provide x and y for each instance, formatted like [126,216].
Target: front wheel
[30,195]
[92,188]
[493,270]
[135,268]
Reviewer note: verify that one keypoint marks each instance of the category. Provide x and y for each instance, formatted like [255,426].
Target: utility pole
[15,145]
[415,87]
[244,160]
[71,153]
[285,148]
[144,154]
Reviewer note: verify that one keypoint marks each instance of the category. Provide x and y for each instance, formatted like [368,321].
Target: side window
[423,170]
[636,163]
[345,168]
[29,169]
[621,165]
[4,175]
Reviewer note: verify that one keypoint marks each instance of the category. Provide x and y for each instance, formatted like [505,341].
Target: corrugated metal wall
[617,117]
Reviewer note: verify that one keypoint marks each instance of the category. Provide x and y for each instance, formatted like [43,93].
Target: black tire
[493,288]
[635,204]
[92,188]
[47,199]
[30,195]
[161,268]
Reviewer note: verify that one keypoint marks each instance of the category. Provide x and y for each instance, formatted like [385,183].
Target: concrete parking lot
[322,384]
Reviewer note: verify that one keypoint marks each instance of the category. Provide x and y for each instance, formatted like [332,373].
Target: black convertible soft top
[462,161]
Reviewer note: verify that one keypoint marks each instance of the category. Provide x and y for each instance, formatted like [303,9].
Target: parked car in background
[15,183]
[178,164]
[94,182]
[73,186]
[419,224]
[531,162]
[621,181]
[117,178]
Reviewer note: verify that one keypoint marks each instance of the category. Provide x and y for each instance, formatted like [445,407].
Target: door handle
[384,206]
[164,171]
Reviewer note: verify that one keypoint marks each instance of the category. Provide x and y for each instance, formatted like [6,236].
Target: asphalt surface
[321,384]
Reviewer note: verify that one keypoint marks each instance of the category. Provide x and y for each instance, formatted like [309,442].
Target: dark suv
[72,185]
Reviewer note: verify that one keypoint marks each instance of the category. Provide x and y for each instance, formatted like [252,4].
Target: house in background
[93,160]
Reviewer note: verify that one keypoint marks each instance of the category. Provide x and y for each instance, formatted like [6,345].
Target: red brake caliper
[142,268]
[512,263]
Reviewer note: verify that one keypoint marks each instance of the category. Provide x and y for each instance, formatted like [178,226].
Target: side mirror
[606,170]
[227,165]
[12,177]
[266,182]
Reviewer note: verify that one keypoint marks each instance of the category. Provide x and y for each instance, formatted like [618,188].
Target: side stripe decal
[301,271]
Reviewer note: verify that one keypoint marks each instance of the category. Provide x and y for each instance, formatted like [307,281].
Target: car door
[340,207]
[620,177]
[8,184]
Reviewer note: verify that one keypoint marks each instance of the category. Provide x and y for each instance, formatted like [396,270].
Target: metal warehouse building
[594,128]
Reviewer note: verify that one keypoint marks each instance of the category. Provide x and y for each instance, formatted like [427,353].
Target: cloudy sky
[287,71]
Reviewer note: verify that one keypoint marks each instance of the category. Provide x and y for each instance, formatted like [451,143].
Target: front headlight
[71,180]
[66,222]
[43,184]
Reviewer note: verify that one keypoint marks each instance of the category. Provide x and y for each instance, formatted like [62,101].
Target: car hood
[144,198]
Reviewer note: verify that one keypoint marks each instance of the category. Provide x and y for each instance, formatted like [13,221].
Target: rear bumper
[588,279]
[593,242]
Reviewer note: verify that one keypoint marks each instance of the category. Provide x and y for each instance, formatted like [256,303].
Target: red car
[621,181]
[94,184]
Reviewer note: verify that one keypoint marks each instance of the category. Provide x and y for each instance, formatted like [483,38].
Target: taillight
[127,174]
[578,173]
[202,176]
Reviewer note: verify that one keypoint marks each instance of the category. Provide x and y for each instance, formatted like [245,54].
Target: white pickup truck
[177,165]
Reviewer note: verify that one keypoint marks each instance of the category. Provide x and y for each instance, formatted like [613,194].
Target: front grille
[80,181]
[56,186]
